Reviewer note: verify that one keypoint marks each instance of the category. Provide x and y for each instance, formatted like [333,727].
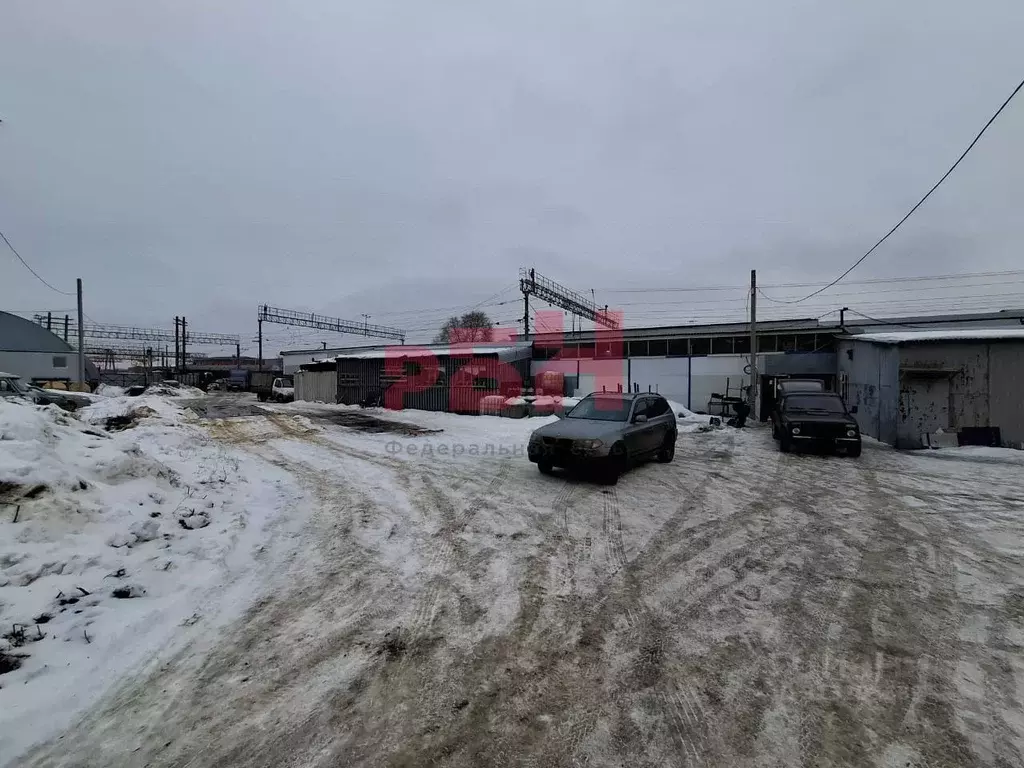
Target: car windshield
[287,382]
[801,386]
[814,403]
[601,409]
[16,385]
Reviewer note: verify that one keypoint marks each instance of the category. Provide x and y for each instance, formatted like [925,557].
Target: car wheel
[545,467]
[616,464]
[667,451]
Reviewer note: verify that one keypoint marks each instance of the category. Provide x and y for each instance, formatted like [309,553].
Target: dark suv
[607,432]
[818,419]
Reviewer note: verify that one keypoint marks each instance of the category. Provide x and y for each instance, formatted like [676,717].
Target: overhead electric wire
[888,322]
[920,202]
[866,281]
[36,274]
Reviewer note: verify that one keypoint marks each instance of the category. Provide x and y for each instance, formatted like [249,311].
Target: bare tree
[471,327]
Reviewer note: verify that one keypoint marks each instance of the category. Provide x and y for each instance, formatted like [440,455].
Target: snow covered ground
[125,544]
[438,601]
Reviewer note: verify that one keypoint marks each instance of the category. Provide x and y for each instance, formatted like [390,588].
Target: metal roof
[854,324]
[950,334]
[505,351]
[20,335]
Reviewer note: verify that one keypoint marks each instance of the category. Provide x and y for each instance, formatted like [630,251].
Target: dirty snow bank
[687,420]
[112,547]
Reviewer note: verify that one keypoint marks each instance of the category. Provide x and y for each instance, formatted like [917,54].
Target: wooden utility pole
[81,337]
[754,380]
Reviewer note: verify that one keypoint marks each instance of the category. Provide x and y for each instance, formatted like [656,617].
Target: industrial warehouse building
[915,388]
[34,353]
[692,365]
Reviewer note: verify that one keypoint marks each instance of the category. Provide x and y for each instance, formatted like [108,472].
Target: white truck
[273,386]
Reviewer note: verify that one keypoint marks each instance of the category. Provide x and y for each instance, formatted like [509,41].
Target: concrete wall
[668,376]
[869,380]
[316,386]
[689,381]
[712,374]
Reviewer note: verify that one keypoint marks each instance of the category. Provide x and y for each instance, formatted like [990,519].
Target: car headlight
[796,430]
[589,445]
[851,433]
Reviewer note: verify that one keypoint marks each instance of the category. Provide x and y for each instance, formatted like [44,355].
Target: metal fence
[454,385]
[316,386]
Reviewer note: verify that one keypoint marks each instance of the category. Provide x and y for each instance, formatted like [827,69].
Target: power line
[871,281]
[920,202]
[888,322]
[36,274]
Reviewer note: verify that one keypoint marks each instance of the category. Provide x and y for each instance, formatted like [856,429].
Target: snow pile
[110,544]
[174,389]
[124,406]
[45,446]
[688,421]
[109,390]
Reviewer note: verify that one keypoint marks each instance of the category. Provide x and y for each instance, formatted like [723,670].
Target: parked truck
[273,386]
[237,380]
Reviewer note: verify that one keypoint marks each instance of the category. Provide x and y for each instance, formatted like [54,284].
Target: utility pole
[67,322]
[177,343]
[842,319]
[49,321]
[238,355]
[81,336]
[366,322]
[259,322]
[184,342]
[753,345]
[526,317]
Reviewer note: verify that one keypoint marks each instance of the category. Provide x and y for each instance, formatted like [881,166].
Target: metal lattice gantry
[532,284]
[122,351]
[129,333]
[279,316]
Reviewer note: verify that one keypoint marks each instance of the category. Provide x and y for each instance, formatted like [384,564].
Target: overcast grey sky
[194,157]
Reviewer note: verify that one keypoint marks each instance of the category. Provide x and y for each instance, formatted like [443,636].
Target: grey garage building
[34,353]
[918,387]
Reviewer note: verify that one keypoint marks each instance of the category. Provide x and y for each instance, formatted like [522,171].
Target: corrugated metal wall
[316,386]
[1006,384]
[457,387]
[953,385]
[869,379]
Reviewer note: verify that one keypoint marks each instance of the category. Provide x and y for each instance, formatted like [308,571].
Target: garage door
[926,404]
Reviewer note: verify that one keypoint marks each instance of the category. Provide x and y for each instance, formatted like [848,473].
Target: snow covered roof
[951,334]
[505,351]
